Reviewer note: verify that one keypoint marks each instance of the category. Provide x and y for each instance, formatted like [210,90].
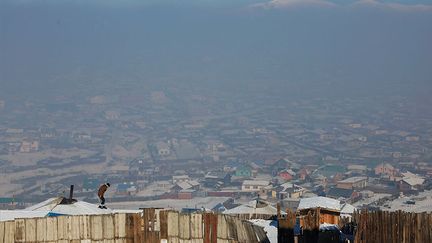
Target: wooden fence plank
[109,228]
[184,226]
[62,228]
[2,232]
[137,228]
[120,226]
[9,231]
[52,234]
[85,227]
[96,227]
[73,223]
[196,226]
[173,228]
[222,227]
[41,229]
[130,227]
[20,230]
[163,215]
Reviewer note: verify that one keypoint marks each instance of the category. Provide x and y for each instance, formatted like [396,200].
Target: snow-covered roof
[353,179]
[253,207]
[348,209]
[194,183]
[6,215]
[270,227]
[409,174]
[319,202]
[184,185]
[412,179]
[55,206]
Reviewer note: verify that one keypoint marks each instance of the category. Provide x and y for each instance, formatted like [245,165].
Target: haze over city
[198,104]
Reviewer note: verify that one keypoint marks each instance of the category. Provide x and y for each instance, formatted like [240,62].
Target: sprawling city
[190,145]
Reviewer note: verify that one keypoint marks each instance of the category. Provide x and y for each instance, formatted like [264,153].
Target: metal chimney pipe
[71,192]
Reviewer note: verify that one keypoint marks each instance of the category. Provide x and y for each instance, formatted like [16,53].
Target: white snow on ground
[423,203]
[374,198]
[269,227]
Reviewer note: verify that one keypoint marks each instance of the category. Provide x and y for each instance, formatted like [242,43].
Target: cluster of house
[17,141]
[276,181]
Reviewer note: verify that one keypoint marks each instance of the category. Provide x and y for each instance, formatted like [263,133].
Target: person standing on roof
[102,189]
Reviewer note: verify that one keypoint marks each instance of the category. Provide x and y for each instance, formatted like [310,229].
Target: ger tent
[54,207]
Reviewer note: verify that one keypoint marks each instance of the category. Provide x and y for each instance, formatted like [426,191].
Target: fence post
[286,225]
[311,226]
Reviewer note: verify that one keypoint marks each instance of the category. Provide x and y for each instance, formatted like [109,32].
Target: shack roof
[348,209]
[253,207]
[319,202]
[55,206]
[412,179]
[255,183]
[353,179]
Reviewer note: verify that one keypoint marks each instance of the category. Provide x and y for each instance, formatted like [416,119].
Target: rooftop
[340,192]
[254,207]
[255,183]
[353,179]
[319,202]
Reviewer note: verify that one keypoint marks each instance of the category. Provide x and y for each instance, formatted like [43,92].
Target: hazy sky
[340,44]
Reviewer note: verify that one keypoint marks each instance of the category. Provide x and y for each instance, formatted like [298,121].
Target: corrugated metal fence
[152,226]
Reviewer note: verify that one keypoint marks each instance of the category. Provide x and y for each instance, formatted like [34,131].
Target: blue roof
[52,214]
